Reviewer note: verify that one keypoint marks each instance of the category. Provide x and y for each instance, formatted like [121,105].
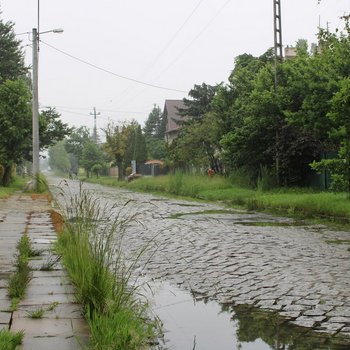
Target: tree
[154,130]
[200,102]
[11,55]
[51,128]
[92,158]
[15,125]
[115,146]
[76,142]
[59,158]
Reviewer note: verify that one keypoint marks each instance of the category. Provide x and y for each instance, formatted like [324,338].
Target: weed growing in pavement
[37,313]
[50,263]
[19,280]
[91,248]
[10,340]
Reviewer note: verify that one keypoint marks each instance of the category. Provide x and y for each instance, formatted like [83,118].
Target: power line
[175,35]
[110,72]
[88,109]
[196,38]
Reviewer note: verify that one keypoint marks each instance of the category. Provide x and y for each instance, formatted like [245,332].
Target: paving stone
[5,317]
[339,319]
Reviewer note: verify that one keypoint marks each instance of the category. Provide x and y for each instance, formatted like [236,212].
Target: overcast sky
[171,44]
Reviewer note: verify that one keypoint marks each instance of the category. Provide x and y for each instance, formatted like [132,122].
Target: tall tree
[15,125]
[11,55]
[200,101]
[76,142]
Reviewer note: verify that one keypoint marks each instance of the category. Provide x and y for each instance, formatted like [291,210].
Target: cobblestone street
[242,257]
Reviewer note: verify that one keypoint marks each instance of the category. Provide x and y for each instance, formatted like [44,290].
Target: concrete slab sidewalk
[62,325]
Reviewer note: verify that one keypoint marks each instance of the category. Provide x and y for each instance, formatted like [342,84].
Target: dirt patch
[57,221]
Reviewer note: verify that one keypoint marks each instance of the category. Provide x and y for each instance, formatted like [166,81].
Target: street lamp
[35,106]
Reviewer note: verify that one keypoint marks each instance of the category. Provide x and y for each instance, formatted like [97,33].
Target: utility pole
[278,58]
[94,133]
[35,110]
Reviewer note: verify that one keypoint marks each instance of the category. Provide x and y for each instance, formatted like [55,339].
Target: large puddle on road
[200,324]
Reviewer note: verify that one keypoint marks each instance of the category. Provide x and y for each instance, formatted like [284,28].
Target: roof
[171,110]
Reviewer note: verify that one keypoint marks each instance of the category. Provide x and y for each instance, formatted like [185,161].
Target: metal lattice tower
[278,29]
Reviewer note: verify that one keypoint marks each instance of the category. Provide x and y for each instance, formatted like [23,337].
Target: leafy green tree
[76,142]
[15,125]
[51,128]
[11,55]
[200,102]
[154,127]
[153,132]
[135,144]
[115,145]
[59,158]
[92,156]
[197,145]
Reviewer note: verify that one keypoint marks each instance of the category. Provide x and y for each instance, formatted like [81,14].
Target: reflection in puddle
[200,325]
[190,324]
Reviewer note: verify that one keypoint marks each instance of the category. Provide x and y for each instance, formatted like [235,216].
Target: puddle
[190,324]
[272,223]
[205,212]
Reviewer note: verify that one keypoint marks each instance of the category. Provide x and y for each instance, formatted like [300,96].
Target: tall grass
[91,246]
[236,191]
[19,280]
[10,340]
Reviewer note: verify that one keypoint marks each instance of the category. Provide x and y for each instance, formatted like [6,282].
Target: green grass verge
[297,202]
[10,340]
[17,184]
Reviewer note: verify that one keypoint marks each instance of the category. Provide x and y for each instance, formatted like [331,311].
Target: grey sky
[174,44]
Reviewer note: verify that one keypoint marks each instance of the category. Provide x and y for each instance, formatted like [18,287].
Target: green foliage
[92,253]
[19,280]
[59,158]
[92,156]
[15,123]
[266,180]
[37,313]
[75,144]
[11,55]
[125,143]
[51,128]
[10,340]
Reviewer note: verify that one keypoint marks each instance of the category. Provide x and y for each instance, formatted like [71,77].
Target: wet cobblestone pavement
[238,257]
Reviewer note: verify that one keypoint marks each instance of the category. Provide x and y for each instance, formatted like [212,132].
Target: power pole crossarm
[94,133]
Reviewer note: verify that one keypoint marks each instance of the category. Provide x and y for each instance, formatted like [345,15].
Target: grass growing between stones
[19,280]
[91,248]
[10,340]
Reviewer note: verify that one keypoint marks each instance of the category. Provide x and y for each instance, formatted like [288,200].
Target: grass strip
[90,245]
[296,202]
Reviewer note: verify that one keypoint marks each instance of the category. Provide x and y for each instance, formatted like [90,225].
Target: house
[173,119]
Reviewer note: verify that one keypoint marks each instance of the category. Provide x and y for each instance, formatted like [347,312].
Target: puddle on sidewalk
[192,324]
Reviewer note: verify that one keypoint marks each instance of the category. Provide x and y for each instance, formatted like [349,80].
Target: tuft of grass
[19,280]
[91,248]
[10,340]
[36,314]
[50,264]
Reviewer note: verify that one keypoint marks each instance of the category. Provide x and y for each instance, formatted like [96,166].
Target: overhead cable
[110,72]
